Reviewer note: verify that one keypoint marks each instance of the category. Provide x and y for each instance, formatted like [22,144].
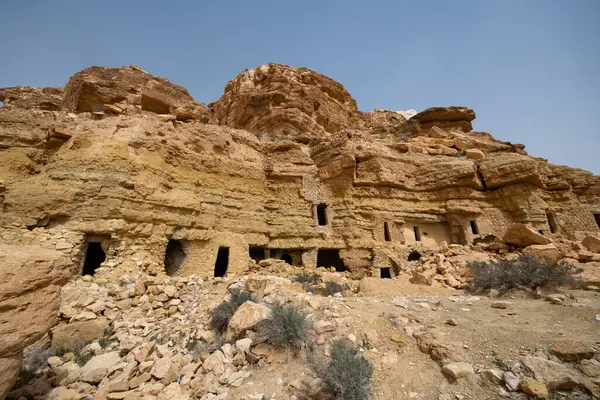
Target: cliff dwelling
[174,257]
[222,262]
[94,256]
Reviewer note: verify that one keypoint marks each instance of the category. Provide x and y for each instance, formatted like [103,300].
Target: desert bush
[527,271]
[347,374]
[82,355]
[332,288]
[308,278]
[286,328]
[222,313]
[34,362]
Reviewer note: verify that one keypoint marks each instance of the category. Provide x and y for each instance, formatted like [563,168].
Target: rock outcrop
[29,302]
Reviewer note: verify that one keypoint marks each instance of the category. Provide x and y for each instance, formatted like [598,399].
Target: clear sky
[529,68]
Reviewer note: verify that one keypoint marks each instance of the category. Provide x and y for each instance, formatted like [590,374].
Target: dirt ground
[483,336]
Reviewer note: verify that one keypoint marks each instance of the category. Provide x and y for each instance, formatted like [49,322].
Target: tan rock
[29,302]
[475,154]
[547,252]
[76,334]
[247,316]
[572,351]
[160,96]
[522,236]
[457,370]
[550,373]
[592,243]
[97,368]
[534,388]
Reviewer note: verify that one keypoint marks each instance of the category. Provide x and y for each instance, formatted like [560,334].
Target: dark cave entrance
[94,256]
[414,256]
[597,218]
[222,262]
[330,258]
[287,258]
[474,227]
[257,253]
[386,232]
[552,221]
[174,257]
[385,273]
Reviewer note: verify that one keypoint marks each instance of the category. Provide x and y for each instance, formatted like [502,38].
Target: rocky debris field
[146,337]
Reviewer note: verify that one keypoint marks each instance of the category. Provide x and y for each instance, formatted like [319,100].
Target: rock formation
[284,165]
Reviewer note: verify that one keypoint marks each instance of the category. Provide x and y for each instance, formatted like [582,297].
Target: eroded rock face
[30,97]
[285,102]
[29,301]
[454,117]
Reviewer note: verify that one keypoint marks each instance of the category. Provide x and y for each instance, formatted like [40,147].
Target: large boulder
[453,117]
[521,235]
[162,96]
[29,302]
[70,336]
[247,316]
[550,373]
[592,243]
[547,252]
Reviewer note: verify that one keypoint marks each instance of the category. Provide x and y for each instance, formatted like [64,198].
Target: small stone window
[474,227]
[322,214]
[330,258]
[417,233]
[257,253]
[386,232]
[414,256]
[597,218]
[385,273]
[287,258]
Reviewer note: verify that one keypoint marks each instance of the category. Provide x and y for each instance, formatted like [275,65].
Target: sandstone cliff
[283,164]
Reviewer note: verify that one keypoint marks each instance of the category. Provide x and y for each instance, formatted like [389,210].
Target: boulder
[29,302]
[457,370]
[453,117]
[521,235]
[547,252]
[161,96]
[534,388]
[475,154]
[550,373]
[592,243]
[97,368]
[247,316]
[75,334]
[572,351]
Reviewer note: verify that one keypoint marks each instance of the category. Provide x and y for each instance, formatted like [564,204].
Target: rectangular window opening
[385,273]
[222,262]
[174,257]
[474,227]
[322,214]
[552,221]
[417,233]
[386,232]
[597,218]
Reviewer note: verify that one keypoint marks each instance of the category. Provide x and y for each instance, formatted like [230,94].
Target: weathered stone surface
[592,243]
[457,370]
[547,252]
[454,117]
[27,97]
[161,96]
[550,373]
[97,368]
[475,154]
[75,334]
[572,351]
[29,302]
[534,388]
[246,317]
[521,235]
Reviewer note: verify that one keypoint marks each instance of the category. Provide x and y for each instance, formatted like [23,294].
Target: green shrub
[222,313]
[347,374]
[286,328]
[332,288]
[308,278]
[35,361]
[527,271]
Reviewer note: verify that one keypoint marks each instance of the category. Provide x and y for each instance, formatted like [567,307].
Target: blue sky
[529,68]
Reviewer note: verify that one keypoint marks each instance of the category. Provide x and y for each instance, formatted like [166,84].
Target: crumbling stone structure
[123,169]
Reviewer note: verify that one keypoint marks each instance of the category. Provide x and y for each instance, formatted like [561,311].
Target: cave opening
[94,257]
[174,257]
[257,253]
[385,273]
[222,262]
[414,256]
[330,258]
[322,214]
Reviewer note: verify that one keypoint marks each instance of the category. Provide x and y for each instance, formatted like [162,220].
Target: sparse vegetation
[527,271]
[82,355]
[347,375]
[36,361]
[287,327]
[308,278]
[332,288]
[223,312]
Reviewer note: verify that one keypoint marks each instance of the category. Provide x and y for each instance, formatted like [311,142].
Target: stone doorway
[385,273]
[174,257]
[330,258]
[94,256]
[222,262]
